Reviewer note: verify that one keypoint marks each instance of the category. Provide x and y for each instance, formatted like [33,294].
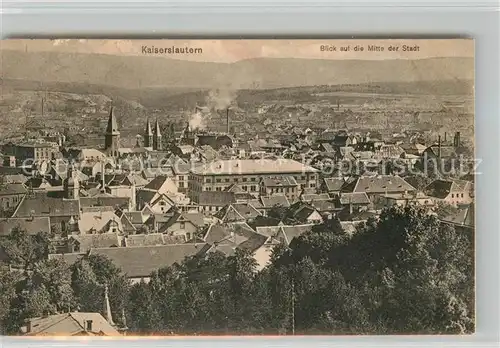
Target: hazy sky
[234,50]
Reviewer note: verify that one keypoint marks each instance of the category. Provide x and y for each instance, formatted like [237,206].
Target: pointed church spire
[112,127]
[157,129]
[107,306]
[157,142]
[148,137]
[148,128]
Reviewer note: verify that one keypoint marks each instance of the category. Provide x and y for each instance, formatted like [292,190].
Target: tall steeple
[71,184]
[112,137]
[157,143]
[148,137]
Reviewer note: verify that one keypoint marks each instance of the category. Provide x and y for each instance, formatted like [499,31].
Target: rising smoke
[218,99]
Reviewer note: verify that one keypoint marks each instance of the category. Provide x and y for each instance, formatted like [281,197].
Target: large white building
[247,174]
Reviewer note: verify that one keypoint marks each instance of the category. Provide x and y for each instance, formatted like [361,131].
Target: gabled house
[184,225]
[228,234]
[454,192]
[376,185]
[287,233]
[355,201]
[61,211]
[99,221]
[213,201]
[332,185]
[70,324]
[157,202]
[284,185]
[261,248]
[237,212]
[303,213]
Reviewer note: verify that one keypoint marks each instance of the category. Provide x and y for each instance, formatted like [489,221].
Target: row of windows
[461,195]
[281,189]
[244,179]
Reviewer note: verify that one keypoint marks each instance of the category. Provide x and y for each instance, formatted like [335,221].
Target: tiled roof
[225,249]
[256,203]
[288,233]
[97,221]
[46,206]
[381,184]
[144,239]
[141,261]
[269,231]
[334,184]
[441,188]
[196,219]
[275,200]
[13,189]
[32,226]
[69,258]
[300,211]
[232,233]
[464,216]
[70,324]
[258,166]
[146,196]
[237,212]
[354,198]
[281,181]
[136,217]
[315,197]
[324,205]
[14,179]
[102,240]
[156,183]
[253,243]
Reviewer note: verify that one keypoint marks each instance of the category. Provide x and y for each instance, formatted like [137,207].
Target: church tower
[157,143]
[148,137]
[112,137]
[71,184]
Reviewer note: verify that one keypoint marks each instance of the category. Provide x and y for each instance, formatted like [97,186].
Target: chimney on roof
[445,137]
[28,326]
[88,325]
[227,120]
[439,146]
[456,140]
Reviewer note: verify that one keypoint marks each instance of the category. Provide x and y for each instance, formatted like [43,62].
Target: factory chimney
[457,140]
[227,121]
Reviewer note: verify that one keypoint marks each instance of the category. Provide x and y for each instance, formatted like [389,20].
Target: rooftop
[248,166]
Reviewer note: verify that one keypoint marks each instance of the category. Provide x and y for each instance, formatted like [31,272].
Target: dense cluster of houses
[153,205]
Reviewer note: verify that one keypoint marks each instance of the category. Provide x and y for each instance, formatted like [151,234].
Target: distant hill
[134,72]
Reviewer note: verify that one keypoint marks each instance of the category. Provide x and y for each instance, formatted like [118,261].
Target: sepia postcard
[237,187]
